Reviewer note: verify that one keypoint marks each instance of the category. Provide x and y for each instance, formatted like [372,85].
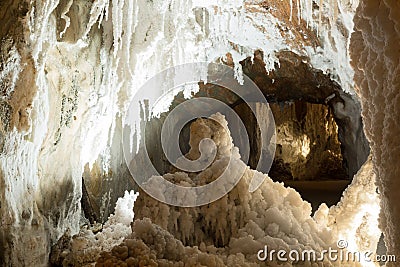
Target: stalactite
[321,8]
[335,11]
[65,17]
[98,13]
[298,11]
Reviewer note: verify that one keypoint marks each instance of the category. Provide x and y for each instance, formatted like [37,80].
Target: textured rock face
[19,147]
[307,142]
[375,56]
[50,97]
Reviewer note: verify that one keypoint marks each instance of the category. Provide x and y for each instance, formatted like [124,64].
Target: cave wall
[19,151]
[55,97]
[376,60]
[307,142]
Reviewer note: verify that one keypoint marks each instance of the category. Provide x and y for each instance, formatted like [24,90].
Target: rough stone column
[22,229]
[376,59]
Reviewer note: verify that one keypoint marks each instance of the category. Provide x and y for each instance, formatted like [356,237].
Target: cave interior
[70,69]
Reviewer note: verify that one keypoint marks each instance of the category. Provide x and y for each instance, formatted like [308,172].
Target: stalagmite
[234,228]
[321,7]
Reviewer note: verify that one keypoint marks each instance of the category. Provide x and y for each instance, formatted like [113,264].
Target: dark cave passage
[307,143]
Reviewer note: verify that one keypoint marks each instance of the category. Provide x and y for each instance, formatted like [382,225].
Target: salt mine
[199,133]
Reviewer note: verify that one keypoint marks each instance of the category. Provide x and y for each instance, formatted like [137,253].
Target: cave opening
[320,139]
[307,143]
[308,155]
[320,142]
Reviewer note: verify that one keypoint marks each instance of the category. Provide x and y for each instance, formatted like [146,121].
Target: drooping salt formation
[234,228]
[376,59]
